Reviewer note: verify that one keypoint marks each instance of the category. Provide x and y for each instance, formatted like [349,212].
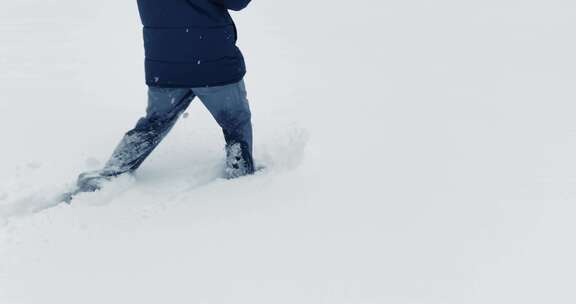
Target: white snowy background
[416,152]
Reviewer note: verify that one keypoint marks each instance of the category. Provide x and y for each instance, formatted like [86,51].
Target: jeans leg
[229,106]
[165,105]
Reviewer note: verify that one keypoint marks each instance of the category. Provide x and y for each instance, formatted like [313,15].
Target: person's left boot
[87,182]
[239,161]
[91,181]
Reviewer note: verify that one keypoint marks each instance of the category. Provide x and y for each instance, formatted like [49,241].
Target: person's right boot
[239,161]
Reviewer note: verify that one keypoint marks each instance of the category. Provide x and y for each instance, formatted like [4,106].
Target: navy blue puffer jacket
[191,43]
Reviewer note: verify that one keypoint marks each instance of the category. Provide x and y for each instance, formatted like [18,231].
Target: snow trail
[413,152]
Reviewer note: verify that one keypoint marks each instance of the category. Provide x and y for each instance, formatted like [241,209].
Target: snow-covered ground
[415,152]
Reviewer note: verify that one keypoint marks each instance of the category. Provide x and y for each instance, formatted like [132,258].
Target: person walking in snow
[190,50]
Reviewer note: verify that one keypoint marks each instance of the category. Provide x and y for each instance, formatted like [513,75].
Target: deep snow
[415,152]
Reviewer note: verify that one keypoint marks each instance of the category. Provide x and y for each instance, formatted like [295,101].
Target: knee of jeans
[234,119]
[154,121]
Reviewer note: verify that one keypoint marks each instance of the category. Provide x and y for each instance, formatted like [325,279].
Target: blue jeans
[227,104]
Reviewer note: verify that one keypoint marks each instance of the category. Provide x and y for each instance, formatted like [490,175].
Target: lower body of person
[228,104]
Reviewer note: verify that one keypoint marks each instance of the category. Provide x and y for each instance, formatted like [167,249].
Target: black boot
[239,161]
[92,181]
[87,182]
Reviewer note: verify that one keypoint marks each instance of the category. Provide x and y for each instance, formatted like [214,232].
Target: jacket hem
[195,85]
